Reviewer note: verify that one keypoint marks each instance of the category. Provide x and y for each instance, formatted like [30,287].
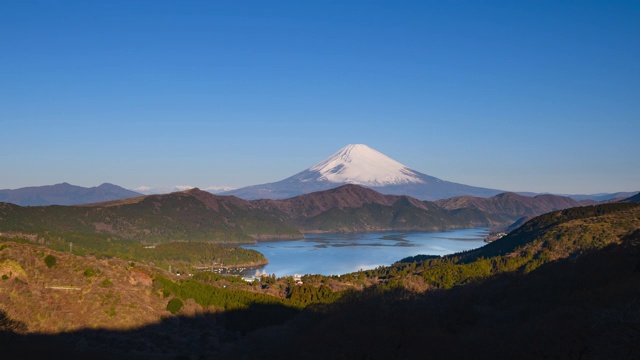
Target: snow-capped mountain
[361,165]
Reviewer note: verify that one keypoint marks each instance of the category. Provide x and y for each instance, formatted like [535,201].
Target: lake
[337,254]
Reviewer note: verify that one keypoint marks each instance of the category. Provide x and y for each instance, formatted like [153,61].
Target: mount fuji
[361,165]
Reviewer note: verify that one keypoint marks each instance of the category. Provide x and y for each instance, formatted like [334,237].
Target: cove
[337,254]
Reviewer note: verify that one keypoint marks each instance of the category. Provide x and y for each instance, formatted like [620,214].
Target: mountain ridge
[635,198]
[511,206]
[196,215]
[64,194]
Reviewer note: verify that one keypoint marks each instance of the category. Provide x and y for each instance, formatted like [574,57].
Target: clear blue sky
[526,96]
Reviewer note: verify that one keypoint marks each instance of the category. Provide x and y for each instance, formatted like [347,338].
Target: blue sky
[524,96]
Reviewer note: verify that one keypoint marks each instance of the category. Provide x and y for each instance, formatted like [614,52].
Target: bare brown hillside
[75,292]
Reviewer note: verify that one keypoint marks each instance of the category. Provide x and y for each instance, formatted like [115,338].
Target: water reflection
[334,254]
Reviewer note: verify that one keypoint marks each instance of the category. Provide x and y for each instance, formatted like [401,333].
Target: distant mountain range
[361,165]
[604,197]
[64,194]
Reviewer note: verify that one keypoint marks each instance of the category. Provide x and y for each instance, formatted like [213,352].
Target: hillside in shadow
[204,336]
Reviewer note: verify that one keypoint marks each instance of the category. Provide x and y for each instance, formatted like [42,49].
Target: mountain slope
[635,198]
[361,165]
[510,206]
[564,233]
[192,215]
[603,197]
[353,208]
[64,194]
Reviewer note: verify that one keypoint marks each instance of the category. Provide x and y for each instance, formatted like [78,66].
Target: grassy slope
[102,293]
[558,235]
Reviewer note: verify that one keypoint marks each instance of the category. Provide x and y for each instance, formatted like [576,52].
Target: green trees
[175,305]
[90,271]
[303,295]
[50,261]
[207,295]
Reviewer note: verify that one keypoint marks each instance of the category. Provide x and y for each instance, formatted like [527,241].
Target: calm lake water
[336,254]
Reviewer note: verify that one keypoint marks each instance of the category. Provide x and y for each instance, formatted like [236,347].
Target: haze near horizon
[535,97]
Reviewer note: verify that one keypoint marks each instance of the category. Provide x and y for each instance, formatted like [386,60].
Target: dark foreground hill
[564,286]
[64,194]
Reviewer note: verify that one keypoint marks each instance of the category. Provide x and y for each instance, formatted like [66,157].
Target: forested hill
[193,215]
[511,206]
[568,232]
[353,208]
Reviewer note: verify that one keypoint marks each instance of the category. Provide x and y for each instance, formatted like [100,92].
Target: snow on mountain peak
[361,165]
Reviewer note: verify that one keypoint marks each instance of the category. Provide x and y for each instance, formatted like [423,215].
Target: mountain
[64,194]
[361,165]
[148,190]
[192,215]
[510,206]
[353,208]
[635,198]
[603,197]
